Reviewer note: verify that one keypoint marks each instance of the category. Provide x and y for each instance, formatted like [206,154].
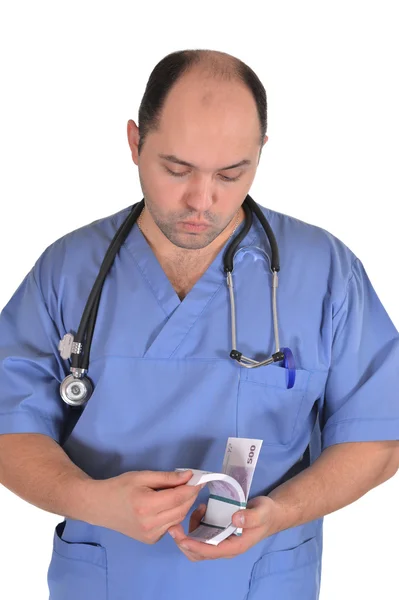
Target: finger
[229,548]
[168,518]
[201,551]
[256,514]
[196,517]
[166,500]
[172,526]
[163,479]
[177,532]
[191,556]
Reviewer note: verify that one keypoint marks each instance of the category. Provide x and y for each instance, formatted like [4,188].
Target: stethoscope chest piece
[76,391]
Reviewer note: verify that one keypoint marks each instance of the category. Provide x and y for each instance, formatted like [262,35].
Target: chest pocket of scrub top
[266,409]
[77,571]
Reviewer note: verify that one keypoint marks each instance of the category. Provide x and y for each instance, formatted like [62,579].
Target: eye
[223,177]
[174,174]
[229,179]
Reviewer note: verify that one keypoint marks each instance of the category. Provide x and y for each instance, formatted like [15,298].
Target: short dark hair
[173,66]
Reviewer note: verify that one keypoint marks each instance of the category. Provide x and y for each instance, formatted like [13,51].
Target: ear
[261,148]
[133,139]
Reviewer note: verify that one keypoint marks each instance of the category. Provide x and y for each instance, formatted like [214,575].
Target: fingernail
[240,519]
[184,546]
[181,473]
[172,533]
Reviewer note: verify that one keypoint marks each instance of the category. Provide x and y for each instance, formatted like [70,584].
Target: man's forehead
[209,96]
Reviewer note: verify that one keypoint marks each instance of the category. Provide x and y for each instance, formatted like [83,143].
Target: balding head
[203,118]
[208,67]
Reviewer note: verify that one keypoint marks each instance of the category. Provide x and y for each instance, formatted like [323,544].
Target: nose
[200,195]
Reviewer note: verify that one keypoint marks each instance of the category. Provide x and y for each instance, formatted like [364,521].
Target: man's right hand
[141,504]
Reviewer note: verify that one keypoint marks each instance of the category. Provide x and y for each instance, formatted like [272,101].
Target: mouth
[194,226]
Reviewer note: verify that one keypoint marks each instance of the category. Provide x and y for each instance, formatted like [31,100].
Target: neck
[184,267]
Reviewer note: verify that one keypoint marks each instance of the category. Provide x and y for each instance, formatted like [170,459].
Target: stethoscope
[76,388]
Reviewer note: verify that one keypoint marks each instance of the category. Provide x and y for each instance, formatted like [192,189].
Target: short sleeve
[361,401]
[30,366]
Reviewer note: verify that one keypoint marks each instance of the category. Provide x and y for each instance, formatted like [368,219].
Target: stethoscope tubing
[90,311]
[81,345]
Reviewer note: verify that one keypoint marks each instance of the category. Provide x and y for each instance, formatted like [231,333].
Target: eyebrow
[178,161]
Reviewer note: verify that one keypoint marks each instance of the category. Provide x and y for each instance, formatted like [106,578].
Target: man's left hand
[260,520]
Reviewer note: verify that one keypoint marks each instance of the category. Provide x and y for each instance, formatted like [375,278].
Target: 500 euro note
[229,490]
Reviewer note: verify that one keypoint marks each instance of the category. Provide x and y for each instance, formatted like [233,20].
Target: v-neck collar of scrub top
[182,314]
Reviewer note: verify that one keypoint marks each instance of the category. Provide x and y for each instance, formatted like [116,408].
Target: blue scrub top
[167,394]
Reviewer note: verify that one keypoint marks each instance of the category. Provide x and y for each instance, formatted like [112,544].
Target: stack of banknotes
[229,490]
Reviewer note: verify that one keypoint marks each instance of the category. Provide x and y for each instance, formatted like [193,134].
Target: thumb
[159,480]
[257,514]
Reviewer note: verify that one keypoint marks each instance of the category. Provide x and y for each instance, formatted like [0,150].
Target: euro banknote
[229,490]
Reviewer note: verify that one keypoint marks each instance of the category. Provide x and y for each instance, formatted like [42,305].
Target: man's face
[211,125]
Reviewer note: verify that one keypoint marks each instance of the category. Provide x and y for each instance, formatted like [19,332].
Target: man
[166,392]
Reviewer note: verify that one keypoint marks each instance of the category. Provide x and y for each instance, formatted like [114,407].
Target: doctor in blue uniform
[159,386]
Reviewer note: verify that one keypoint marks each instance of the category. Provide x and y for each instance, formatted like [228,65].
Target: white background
[73,73]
